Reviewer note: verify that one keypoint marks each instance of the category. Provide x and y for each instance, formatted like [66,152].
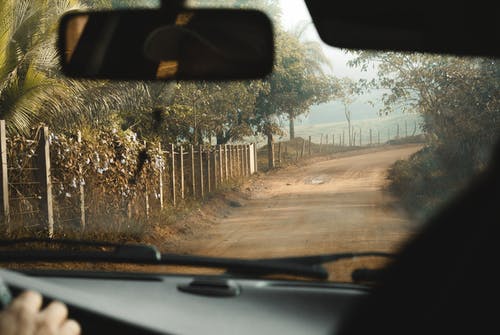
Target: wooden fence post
[303,148]
[82,188]
[225,162]
[4,180]
[45,180]
[236,161]
[161,175]
[146,199]
[172,158]
[193,172]
[146,191]
[320,142]
[249,160]
[202,184]
[397,132]
[255,156]
[360,136]
[230,157]
[309,146]
[221,165]
[215,168]
[244,155]
[209,171]
[243,160]
[279,153]
[181,154]
[247,154]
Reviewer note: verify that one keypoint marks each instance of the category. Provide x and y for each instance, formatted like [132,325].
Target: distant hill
[329,119]
[333,111]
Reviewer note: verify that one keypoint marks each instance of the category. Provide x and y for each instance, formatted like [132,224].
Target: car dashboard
[183,304]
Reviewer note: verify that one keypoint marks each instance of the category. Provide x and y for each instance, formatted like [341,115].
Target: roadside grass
[408,140]
[424,182]
[117,227]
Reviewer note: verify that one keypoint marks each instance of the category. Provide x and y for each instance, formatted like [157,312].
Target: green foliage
[425,182]
[224,109]
[27,61]
[32,90]
[291,88]
[459,100]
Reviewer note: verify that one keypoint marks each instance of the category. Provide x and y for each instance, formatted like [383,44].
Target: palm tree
[29,86]
[316,63]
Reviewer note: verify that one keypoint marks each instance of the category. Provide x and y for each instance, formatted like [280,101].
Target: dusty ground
[329,206]
[325,205]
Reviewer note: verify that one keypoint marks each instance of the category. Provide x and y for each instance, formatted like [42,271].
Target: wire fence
[51,182]
[338,140]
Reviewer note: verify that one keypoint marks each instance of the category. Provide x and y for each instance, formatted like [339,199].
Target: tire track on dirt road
[329,206]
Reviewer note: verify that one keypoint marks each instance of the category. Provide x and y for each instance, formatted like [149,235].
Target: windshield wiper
[327,258]
[358,275]
[303,266]
[149,255]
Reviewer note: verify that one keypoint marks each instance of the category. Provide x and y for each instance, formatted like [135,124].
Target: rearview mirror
[208,44]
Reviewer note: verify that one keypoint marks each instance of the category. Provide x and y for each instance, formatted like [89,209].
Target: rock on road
[334,205]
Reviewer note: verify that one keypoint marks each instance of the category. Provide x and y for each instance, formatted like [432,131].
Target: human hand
[24,317]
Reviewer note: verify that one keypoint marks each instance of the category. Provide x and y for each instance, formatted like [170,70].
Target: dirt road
[330,206]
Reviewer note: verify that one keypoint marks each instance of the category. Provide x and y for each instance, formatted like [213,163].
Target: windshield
[336,151]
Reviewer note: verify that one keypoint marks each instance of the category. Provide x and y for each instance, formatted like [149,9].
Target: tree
[224,109]
[289,88]
[458,98]
[314,87]
[28,61]
[346,95]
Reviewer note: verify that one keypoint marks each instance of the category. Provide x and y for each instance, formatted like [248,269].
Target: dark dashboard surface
[175,304]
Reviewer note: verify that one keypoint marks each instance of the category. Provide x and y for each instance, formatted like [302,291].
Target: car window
[336,151]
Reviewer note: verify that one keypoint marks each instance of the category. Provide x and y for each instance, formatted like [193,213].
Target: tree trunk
[270,150]
[350,132]
[223,137]
[292,126]
[220,138]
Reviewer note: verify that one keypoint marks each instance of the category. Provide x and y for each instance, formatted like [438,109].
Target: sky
[294,11]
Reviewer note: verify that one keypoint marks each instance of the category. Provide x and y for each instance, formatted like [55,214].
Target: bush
[424,182]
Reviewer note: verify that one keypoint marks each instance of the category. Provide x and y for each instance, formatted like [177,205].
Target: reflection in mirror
[152,44]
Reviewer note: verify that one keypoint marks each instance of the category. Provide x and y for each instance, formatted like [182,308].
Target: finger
[27,302]
[70,327]
[24,310]
[54,314]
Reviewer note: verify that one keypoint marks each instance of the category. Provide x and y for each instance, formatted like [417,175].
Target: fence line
[305,146]
[186,171]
